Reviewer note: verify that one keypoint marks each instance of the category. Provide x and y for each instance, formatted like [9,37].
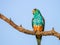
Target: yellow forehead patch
[33,11]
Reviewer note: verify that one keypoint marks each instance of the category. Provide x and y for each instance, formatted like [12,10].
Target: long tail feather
[38,40]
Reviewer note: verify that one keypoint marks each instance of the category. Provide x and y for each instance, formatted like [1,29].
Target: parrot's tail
[38,40]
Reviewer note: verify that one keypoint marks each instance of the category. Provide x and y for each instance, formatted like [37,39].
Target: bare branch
[21,29]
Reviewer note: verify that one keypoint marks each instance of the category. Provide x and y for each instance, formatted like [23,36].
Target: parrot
[38,23]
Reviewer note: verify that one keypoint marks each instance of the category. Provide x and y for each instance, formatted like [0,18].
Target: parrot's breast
[38,23]
[36,28]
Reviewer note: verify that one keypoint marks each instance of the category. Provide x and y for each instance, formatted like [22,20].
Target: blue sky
[20,11]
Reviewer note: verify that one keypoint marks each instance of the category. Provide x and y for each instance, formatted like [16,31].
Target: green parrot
[38,24]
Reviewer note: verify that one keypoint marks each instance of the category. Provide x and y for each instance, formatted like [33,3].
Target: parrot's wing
[44,21]
[32,22]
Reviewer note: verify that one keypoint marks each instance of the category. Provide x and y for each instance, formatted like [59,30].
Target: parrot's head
[35,11]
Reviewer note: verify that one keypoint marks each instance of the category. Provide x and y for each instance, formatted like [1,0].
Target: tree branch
[49,33]
[21,29]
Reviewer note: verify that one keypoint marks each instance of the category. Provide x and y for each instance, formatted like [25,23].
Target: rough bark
[22,29]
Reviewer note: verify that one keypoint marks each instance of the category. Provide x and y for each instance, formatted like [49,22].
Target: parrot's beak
[33,11]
